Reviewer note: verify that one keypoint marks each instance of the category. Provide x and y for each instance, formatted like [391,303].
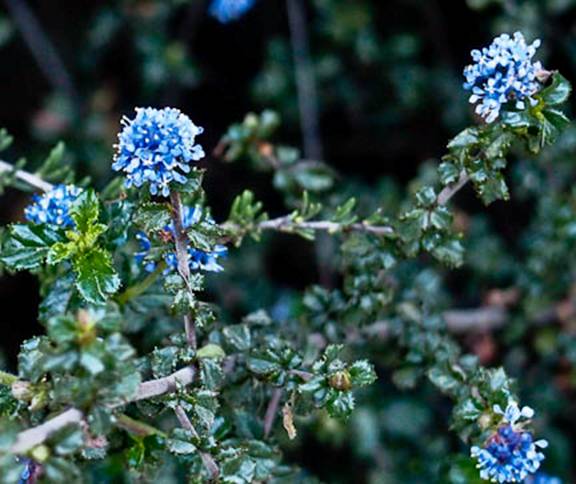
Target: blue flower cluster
[502,72]
[510,454]
[198,259]
[156,147]
[228,10]
[53,207]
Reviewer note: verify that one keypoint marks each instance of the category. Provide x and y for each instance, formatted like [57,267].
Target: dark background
[389,77]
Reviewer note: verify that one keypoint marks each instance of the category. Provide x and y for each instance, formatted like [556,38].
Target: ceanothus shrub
[202,402]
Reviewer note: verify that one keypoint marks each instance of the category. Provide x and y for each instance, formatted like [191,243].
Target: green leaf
[211,351]
[61,251]
[342,405]
[450,252]
[152,216]
[516,119]
[62,329]
[28,246]
[211,373]
[85,211]
[557,92]
[464,139]
[448,173]
[180,443]
[344,213]
[57,295]
[91,362]
[467,410]
[238,336]
[443,379]
[69,441]
[96,278]
[5,139]
[53,162]
[494,188]
[362,373]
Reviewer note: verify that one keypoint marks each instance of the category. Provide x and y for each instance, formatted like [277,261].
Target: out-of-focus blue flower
[197,259]
[510,454]
[502,72]
[156,148]
[541,478]
[228,10]
[53,207]
[29,473]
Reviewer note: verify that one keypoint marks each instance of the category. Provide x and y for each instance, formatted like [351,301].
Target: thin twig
[308,106]
[28,439]
[305,81]
[161,386]
[42,48]
[480,319]
[286,224]
[181,242]
[448,192]
[207,459]
[272,411]
[33,180]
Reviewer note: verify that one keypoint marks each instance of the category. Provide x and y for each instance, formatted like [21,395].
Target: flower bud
[341,381]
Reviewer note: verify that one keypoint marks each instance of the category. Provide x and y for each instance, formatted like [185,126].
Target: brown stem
[207,459]
[286,224]
[272,410]
[448,192]
[181,242]
[28,439]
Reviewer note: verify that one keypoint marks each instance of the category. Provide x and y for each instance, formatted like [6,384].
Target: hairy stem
[181,242]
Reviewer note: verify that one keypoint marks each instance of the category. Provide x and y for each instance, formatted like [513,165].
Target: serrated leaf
[153,216]
[448,172]
[465,138]
[96,278]
[28,246]
[557,92]
[60,251]
[238,336]
[85,211]
[342,405]
[362,373]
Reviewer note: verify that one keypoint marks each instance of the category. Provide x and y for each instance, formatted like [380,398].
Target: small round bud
[40,453]
[341,381]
